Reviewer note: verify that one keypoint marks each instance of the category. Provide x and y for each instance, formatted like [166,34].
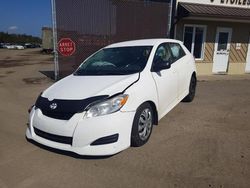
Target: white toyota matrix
[114,98]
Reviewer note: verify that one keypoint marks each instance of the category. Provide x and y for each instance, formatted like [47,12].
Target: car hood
[82,87]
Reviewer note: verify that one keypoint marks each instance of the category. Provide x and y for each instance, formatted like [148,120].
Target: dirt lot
[202,144]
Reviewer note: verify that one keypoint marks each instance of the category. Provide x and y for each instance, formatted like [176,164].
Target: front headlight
[107,107]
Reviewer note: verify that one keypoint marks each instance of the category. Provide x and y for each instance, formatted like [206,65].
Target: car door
[181,64]
[166,80]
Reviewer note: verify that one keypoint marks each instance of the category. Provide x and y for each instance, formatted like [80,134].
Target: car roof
[142,42]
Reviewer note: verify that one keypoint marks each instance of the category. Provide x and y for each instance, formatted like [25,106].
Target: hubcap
[145,124]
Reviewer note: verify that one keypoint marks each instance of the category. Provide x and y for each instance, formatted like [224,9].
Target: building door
[248,58]
[221,49]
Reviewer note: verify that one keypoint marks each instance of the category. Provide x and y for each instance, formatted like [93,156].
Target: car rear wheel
[142,125]
[192,90]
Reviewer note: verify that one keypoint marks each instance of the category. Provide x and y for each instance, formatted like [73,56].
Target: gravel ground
[201,144]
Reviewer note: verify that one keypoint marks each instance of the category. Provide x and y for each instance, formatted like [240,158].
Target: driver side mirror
[159,65]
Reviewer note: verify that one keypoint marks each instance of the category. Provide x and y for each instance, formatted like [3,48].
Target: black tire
[137,134]
[192,90]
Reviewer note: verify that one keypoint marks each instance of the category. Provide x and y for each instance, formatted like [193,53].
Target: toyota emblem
[53,106]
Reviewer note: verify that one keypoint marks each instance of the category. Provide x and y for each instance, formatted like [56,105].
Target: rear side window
[177,51]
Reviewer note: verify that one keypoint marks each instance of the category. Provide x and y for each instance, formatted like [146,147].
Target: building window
[223,39]
[194,37]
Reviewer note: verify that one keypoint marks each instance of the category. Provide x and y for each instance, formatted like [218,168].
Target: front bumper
[84,132]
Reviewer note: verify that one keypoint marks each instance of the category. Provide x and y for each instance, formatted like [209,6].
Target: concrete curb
[223,77]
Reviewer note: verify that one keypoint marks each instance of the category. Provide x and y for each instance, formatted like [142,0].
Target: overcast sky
[25,16]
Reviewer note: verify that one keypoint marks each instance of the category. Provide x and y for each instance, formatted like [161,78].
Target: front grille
[58,115]
[65,109]
[54,138]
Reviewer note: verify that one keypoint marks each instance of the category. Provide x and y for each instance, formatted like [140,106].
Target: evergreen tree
[18,38]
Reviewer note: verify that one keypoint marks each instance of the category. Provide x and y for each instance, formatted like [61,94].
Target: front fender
[141,91]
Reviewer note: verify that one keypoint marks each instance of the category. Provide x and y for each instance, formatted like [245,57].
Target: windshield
[116,61]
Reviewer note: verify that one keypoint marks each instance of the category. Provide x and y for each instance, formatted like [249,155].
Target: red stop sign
[66,47]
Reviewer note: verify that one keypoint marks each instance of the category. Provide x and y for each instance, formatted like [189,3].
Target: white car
[14,46]
[10,46]
[19,47]
[114,98]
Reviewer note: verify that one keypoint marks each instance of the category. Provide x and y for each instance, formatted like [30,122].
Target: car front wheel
[142,125]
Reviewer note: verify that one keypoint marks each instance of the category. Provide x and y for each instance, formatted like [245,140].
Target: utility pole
[54,29]
[170,18]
